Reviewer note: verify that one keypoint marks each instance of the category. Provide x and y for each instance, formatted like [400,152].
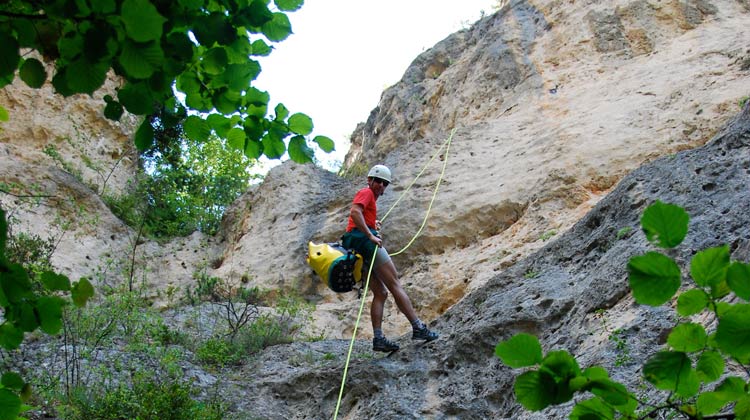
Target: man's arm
[359,221]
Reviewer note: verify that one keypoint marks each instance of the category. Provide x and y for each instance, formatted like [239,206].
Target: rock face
[577,300]
[552,102]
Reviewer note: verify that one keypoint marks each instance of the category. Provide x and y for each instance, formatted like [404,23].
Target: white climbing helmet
[380,171]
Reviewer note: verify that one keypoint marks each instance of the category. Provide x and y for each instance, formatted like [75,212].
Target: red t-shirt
[366,198]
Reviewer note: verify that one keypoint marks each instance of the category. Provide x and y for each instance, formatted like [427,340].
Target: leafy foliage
[695,358]
[199,50]
[145,398]
[25,310]
[187,187]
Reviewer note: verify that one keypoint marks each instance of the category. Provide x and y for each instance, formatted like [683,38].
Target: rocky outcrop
[552,104]
[577,299]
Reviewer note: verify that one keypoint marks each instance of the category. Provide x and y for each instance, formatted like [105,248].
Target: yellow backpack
[339,267]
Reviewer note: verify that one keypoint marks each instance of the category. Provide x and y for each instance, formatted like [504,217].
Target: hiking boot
[383,344]
[424,333]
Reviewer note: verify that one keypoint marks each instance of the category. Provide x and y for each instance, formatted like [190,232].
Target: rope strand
[354,333]
[372,261]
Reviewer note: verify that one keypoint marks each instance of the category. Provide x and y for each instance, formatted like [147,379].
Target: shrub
[145,398]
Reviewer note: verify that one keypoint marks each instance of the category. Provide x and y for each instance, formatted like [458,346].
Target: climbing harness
[446,144]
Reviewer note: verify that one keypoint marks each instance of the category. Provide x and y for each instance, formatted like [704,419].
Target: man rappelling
[362,235]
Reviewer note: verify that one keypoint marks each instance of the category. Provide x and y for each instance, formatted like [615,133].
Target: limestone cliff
[553,103]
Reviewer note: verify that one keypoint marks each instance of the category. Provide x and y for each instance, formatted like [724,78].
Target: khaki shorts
[359,242]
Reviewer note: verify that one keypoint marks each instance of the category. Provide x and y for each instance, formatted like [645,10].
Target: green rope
[354,333]
[434,194]
[372,261]
[447,142]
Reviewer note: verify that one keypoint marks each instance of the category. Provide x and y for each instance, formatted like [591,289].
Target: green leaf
[289,5]
[688,337]
[733,388]
[49,310]
[738,279]
[188,82]
[301,124]
[298,150]
[144,136]
[671,371]
[692,302]
[15,283]
[255,15]
[253,149]
[215,61]
[4,114]
[198,101]
[710,403]
[257,97]
[733,331]
[281,112]
[254,128]
[742,408]
[82,291]
[226,101]
[10,405]
[709,267]
[596,372]
[273,147]
[519,351]
[239,76]
[665,225]
[278,28]
[534,390]
[83,76]
[610,391]
[32,73]
[142,21]
[55,282]
[12,380]
[654,278]
[220,124]
[103,6]
[215,28]
[141,60]
[136,98]
[113,110]
[325,143]
[592,409]
[236,138]
[9,55]
[710,366]
[260,48]
[24,317]
[561,364]
[10,336]
[196,128]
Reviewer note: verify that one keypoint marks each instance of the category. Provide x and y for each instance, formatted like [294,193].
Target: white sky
[344,53]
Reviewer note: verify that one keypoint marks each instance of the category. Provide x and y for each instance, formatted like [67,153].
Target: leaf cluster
[693,363]
[25,310]
[164,51]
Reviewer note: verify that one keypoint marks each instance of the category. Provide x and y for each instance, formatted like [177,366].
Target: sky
[344,53]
